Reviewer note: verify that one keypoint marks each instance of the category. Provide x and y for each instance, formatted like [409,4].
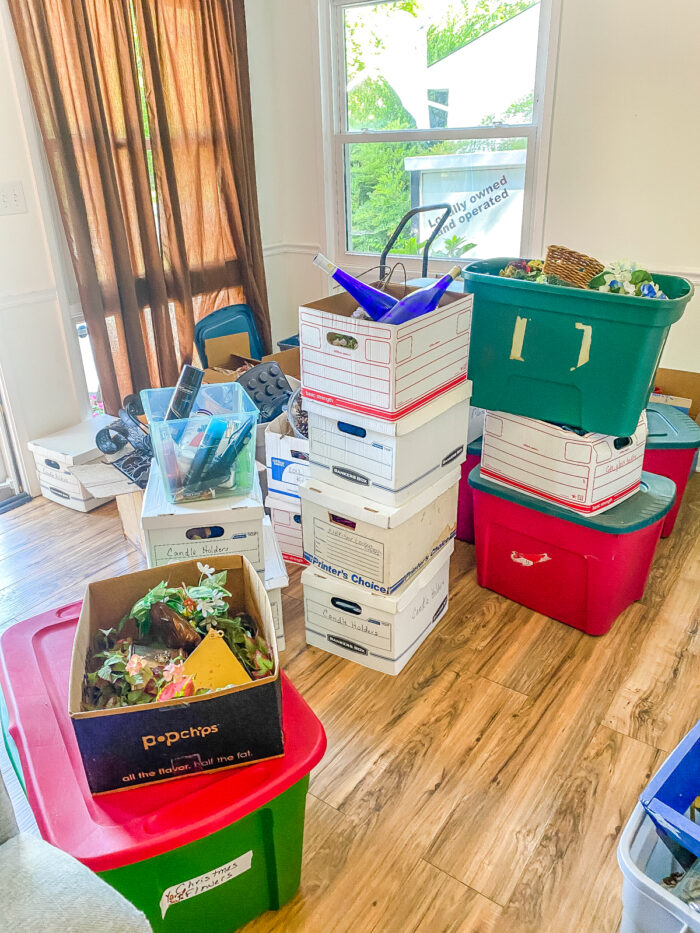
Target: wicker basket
[571,267]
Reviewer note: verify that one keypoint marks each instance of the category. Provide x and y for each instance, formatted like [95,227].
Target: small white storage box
[285,512]
[385,370]
[389,461]
[275,579]
[197,530]
[286,457]
[647,907]
[380,632]
[589,473]
[375,546]
[56,454]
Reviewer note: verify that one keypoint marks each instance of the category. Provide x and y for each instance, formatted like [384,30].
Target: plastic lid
[670,428]
[474,447]
[655,497]
[127,826]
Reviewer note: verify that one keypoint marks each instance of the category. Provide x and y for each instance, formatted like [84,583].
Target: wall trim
[277,249]
[18,299]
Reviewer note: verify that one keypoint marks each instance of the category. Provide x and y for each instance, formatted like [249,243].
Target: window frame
[336,136]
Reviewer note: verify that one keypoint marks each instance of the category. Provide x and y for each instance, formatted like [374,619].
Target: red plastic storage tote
[671,445]
[579,569]
[465,496]
[205,852]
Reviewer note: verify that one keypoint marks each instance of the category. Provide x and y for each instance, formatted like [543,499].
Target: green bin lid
[654,499]
[670,428]
[474,447]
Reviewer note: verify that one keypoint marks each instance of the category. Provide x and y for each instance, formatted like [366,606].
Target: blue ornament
[648,291]
[615,284]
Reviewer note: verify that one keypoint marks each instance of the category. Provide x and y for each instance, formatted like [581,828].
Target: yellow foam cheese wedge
[214,665]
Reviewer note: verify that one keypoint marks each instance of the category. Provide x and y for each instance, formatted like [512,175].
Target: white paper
[210,879]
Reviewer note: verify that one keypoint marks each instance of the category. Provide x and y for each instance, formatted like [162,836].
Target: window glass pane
[481,179]
[416,64]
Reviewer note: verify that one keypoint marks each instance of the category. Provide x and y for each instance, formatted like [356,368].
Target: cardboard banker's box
[585,472]
[132,745]
[384,370]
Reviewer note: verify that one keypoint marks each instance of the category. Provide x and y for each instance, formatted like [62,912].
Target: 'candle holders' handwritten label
[211,879]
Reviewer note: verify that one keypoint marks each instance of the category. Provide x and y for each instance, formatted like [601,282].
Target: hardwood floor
[485,788]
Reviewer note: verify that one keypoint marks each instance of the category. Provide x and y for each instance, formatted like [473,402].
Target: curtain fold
[144,108]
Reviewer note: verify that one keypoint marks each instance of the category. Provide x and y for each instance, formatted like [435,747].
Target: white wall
[40,375]
[623,176]
[624,148]
[285,89]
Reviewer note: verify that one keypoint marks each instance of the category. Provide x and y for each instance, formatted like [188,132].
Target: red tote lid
[128,825]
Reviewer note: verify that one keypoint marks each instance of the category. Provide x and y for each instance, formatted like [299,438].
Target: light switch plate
[12,199]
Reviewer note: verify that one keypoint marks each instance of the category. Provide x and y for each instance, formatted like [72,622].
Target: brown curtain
[144,106]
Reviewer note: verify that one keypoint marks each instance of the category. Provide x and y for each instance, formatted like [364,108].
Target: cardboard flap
[219,350]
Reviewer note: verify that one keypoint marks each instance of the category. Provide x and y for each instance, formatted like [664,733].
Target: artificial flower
[173,671]
[205,569]
[177,688]
[210,605]
[135,665]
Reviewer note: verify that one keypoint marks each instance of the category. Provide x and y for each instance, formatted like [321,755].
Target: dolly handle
[447,210]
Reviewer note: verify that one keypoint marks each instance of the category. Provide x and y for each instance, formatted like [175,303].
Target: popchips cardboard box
[201,530]
[133,745]
[380,632]
[384,370]
[373,546]
[389,461]
[588,473]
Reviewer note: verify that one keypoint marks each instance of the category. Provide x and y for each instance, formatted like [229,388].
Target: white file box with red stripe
[383,370]
[586,472]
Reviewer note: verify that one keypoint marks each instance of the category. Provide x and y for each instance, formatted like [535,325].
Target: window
[437,101]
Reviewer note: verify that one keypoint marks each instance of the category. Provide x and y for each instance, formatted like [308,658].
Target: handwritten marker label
[210,879]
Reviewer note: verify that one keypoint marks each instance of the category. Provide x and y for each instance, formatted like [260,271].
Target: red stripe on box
[380,412]
[543,495]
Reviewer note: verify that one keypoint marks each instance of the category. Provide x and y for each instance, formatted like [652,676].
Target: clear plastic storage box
[211,454]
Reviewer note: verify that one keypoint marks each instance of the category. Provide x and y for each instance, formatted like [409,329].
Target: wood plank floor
[485,788]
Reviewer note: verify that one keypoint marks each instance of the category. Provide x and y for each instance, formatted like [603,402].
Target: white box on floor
[386,370]
[56,454]
[276,578]
[588,473]
[286,457]
[389,461]
[197,530]
[376,547]
[58,493]
[380,632]
[285,512]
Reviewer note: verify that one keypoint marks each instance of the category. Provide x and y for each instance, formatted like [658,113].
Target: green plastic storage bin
[568,355]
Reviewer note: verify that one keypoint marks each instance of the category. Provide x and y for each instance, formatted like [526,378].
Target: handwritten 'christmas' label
[210,879]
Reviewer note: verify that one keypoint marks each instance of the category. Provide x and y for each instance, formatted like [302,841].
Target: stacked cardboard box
[206,529]
[388,411]
[287,465]
[56,455]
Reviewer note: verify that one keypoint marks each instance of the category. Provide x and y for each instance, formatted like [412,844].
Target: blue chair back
[234,319]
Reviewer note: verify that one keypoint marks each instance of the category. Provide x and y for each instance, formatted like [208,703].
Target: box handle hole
[299,454]
[297,519]
[346,606]
[621,442]
[343,522]
[52,463]
[354,429]
[200,534]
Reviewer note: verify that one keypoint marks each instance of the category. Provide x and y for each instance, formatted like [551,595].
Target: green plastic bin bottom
[273,835]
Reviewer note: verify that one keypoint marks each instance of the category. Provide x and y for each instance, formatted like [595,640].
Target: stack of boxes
[565,521]
[56,455]
[388,409]
[287,466]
